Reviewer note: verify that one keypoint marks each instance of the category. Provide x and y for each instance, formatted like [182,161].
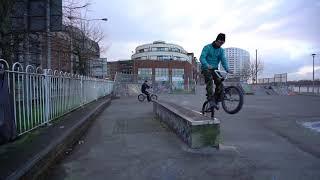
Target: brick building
[121,66]
[156,70]
[160,62]
[60,52]
[165,71]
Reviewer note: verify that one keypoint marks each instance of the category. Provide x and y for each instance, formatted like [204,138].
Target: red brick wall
[60,53]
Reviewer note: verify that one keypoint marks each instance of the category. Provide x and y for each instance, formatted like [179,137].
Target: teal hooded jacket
[212,56]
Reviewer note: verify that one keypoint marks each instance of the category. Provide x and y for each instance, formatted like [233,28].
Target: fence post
[188,84]
[47,98]
[81,90]
[96,90]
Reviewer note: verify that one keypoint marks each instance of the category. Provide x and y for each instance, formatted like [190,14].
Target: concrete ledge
[57,141]
[195,130]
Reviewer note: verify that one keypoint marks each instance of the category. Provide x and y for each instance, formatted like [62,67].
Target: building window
[162,74]
[177,73]
[161,48]
[153,57]
[177,78]
[144,74]
[159,57]
[175,50]
[177,58]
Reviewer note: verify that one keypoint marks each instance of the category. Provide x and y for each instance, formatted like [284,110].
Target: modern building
[153,70]
[160,50]
[159,62]
[176,72]
[237,59]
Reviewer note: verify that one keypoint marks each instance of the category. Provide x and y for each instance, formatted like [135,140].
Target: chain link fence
[130,84]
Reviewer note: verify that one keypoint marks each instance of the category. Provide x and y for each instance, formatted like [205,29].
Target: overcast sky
[285,32]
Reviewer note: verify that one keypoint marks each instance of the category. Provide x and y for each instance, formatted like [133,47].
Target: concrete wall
[195,133]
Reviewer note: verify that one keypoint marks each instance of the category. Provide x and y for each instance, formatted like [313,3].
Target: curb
[38,165]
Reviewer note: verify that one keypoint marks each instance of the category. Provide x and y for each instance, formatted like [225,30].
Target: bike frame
[217,72]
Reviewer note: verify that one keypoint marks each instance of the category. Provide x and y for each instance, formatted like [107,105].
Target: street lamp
[72,18]
[100,19]
[313,55]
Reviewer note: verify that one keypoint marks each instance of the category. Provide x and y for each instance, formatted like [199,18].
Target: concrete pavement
[126,142]
[268,132]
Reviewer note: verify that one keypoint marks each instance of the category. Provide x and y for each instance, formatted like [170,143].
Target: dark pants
[148,95]
[208,76]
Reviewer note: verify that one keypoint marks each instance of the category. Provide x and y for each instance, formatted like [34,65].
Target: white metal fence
[40,96]
[307,89]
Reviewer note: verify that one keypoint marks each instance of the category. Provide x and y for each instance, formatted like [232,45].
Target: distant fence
[130,84]
[277,79]
[40,96]
[305,89]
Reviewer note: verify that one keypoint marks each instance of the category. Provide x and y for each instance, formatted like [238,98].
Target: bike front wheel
[141,97]
[233,100]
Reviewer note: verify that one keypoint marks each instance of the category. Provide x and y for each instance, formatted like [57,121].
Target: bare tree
[256,68]
[245,72]
[249,71]
[85,35]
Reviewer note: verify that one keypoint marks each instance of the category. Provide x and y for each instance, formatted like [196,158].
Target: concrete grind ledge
[195,130]
[31,159]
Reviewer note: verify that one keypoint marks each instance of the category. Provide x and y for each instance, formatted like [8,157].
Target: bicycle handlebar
[219,75]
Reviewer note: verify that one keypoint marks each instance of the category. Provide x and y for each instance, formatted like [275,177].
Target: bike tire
[154,97]
[238,107]
[205,108]
[141,97]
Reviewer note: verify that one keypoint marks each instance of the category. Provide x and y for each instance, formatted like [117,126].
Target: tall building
[237,59]
[160,50]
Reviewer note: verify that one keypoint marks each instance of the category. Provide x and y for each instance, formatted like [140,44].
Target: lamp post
[99,19]
[313,55]
[71,43]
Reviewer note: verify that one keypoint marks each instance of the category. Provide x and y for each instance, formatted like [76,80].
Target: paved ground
[126,142]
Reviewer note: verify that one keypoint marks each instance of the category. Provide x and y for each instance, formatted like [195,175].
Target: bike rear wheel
[141,97]
[154,97]
[233,100]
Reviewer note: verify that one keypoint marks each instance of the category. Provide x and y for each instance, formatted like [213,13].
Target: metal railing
[305,89]
[41,96]
[130,84]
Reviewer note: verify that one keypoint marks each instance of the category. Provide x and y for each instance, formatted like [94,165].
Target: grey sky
[285,32]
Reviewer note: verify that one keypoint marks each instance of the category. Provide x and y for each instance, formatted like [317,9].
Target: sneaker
[216,121]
